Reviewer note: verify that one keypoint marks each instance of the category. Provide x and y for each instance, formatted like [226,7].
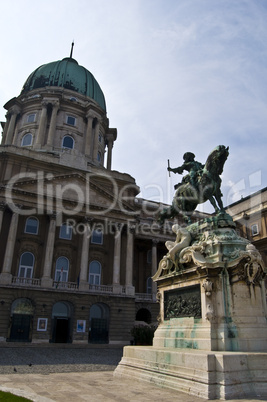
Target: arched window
[99,156]
[32,225]
[61,309]
[68,142]
[94,273]
[65,231]
[26,140]
[62,269]
[26,265]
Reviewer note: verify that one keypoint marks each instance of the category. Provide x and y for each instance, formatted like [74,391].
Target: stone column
[96,141]
[83,285]
[110,138]
[129,262]
[2,210]
[14,111]
[88,136]
[109,157]
[6,276]
[5,129]
[53,122]
[42,125]
[46,280]
[117,260]
[154,268]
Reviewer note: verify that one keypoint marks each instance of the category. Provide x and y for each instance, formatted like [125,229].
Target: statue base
[212,337]
[208,375]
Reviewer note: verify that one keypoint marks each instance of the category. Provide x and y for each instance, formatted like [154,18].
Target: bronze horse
[207,186]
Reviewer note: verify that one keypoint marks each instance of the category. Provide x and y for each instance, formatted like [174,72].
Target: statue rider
[193,167]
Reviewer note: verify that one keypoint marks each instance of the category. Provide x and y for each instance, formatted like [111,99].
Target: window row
[67,141]
[65,232]
[26,266]
[31,118]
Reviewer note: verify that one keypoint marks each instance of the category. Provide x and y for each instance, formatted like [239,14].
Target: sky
[177,75]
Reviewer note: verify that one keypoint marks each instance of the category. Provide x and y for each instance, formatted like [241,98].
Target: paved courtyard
[74,373]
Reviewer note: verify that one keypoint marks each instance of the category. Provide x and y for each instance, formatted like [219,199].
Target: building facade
[250,216]
[78,248]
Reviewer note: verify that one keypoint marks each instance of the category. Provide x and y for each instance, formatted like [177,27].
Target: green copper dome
[66,73]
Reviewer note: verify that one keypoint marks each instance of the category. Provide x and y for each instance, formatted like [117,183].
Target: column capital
[2,205]
[14,110]
[45,102]
[55,103]
[87,219]
[117,225]
[110,139]
[52,215]
[112,133]
[131,228]
[90,115]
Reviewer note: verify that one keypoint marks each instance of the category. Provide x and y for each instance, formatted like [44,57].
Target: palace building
[78,249]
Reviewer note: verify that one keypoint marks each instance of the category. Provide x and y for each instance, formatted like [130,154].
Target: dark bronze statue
[193,167]
[202,183]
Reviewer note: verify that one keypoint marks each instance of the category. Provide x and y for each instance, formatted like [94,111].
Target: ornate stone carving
[213,245]
[207,285]
[158,297]
[184,302]
[209,312]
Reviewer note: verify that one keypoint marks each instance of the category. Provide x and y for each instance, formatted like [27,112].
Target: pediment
[98,191]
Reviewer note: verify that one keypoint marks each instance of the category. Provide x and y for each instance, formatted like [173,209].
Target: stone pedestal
[5,278]
[212,335]
[46,282]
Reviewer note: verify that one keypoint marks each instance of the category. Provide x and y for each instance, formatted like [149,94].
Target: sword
[168,167]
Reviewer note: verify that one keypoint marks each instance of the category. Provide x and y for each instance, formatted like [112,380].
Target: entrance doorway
[99,323]
[143,315]
[21,321]
[61,323]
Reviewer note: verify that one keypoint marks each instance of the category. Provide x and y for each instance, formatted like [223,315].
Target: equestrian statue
[202,183]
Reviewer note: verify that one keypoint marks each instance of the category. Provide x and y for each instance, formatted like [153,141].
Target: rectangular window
[97,237]
[22,272]
[71,120]
[65,232]
[31,118]
[94,279]
[25,272]
[254,230]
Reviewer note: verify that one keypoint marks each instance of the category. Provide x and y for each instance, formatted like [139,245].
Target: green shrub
[143,334]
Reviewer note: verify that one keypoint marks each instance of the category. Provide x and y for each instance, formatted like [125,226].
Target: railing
[144,296]
[65,285]
[101,288]
[26,281]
